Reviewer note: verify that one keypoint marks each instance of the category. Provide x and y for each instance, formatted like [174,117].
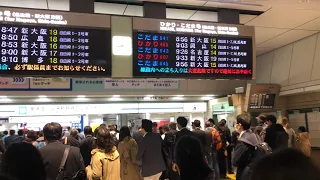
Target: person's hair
[12,132]
[172,125]
[79,130]
[160,128]
[112,127]
[182,121]
[196,123]
[5,132]
[262,118]
[104,140]
[124,132]
[20,132]
[74,132]
[190,159]
[146,125]
[40,134]
[154,124]
[285,122]
[68,128]
[87,130]
[207,124]
[271,118]
[221,124]
[225,121]
[103,125]
[52,131]
[211,121]
[14,162]
[244,120]
[166,127]
[302,129]
[32,135]
[289,164]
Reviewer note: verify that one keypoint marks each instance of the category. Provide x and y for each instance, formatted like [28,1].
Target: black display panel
[33,50]
[186,55]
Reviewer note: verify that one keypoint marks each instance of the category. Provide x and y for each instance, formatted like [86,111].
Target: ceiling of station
[282,21]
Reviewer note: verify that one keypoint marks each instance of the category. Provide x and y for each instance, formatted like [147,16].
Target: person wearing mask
[292,135]
[72,140]
[200,134]
[9,139]
[105,161]
[128,148]
[53,152]
[287,164]
[150,152]
[245,146]
[86,145]
[190,161]
[303,141]
[40,140]
[22,161]
[137,136]
[155,127]
[80,135]
[276,136]
[32,138]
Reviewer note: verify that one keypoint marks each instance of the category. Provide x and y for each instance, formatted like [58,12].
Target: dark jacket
[243,152]
[201,135]
[182,132]
[271,135]
[149,152]
[85,149]
[13,139]
[223,138]
[72,141]
[52,155]
[137,136]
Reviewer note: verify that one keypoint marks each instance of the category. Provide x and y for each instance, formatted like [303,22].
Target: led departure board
[47,43]
[184,49]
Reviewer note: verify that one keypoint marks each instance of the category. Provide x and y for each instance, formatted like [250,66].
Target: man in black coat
[276,136]
[86,145]
[8,140]
[182,125]
[150,152]
[200,134]
[53,152]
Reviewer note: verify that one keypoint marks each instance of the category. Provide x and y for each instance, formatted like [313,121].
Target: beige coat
[104,166]
[129,165]
[303,143]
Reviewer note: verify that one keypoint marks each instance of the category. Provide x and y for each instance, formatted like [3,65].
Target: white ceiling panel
[62,5]
[252,6]
[109,8]
[263,34]
[205,16]
[286,38]
[261,51]
[313,25]
[245,18]
[280,18]
[36,4]
[186,2]
[134,11]
[179,13]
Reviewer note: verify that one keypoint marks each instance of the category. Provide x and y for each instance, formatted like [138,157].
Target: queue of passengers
[171,151]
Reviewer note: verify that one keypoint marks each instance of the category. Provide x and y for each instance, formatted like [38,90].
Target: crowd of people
[170,151]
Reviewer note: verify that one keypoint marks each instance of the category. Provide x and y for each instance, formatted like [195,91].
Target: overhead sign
[185,49]
[48,43]
[35,84]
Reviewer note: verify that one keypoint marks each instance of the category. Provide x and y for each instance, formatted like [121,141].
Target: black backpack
[62,175]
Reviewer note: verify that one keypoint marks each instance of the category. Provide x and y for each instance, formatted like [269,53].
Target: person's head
[74,133]
[146,126]
[261,119]
[197,123]
[32,135]
[12,132]
[271,119]
[207,124]
[154,127]
[289,164]
[23,161]
[182,122]
[68,128]
[87,130]
[284,122]
[104,140]
[242,123]
[79,130]
[52,132]
[225,121]
[212,123]
[221,125]
[190,158]
[161,130]
[5,132]
[112,127]
[40,134]
[103,125]
[172,126]
[124,132]
[165,128]
[20,132]
[302,129]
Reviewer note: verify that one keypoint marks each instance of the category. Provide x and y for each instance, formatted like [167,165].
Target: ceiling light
[42,96]
[180,95]
[2,97]
[5,100]
[150,95]
[42,100]
[115,99]
[177,98]
[206,98]
[81,96]
[116,96]
[210,95]
[148,98]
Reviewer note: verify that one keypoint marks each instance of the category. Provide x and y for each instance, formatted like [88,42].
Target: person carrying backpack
[276,136]
[248,149]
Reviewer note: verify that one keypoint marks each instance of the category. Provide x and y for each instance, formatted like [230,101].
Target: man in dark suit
[149,152]
[200,134]
[53,152]
[9,139]
[138,136]
[182,125]
[86,145]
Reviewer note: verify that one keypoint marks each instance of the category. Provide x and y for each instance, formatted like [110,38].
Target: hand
[228,143]
[225,153]
[89,173]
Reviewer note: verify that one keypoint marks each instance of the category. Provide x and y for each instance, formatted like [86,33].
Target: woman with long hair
[105,160]
[128,149]
[292,135]
[190,160]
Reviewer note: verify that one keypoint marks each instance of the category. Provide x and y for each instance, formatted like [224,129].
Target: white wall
[293,66]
